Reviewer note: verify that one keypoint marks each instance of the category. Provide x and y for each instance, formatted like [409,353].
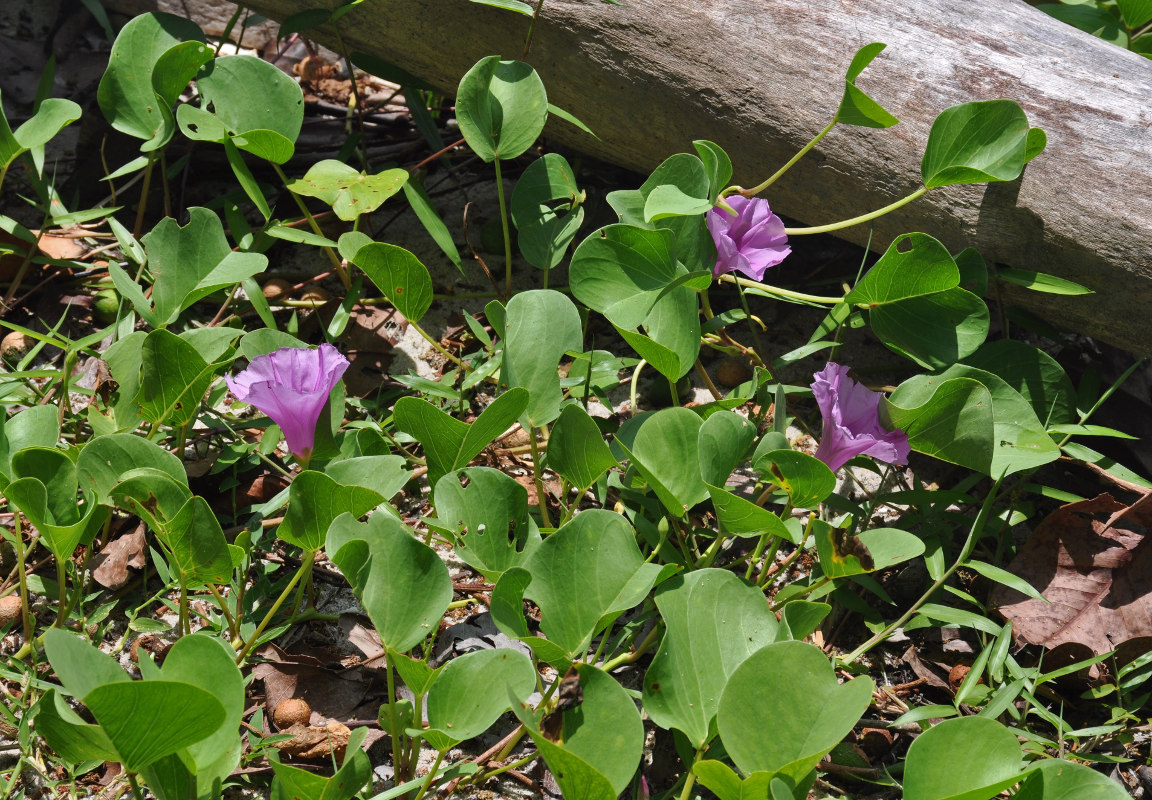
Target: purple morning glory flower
[750,242]
[852,421]
[291,386]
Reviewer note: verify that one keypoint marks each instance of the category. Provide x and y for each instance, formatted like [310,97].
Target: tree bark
[761,78]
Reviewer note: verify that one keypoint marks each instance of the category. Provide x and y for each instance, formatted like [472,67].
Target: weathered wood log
[760,79]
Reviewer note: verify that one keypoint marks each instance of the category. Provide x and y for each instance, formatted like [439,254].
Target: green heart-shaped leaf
[265,123]
[401,276]
[1056,779]
[856,107]
[147,720]
[665,450]
[976,143]
[792,687]
[989,752]
[577,450]
[207,662]
[714,621]
[589,568]
[449,443]
[914,265]
[199,552]
[349,191]
[621,270]
[540,326]
[402,583]
[314,501]
[501,107]
[935,330]
[126,93]
[600,741]
[951,420]
[543,232]
[486,512]
[37,426]
[1017,439]
[807,480]
[189,262]
[174,379]
[457,711]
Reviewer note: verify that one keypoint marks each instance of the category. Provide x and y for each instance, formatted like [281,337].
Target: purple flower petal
[750,242]
[291,386]
[852,424]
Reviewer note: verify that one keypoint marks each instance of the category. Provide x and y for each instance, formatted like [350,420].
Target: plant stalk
[848,223]
[755,190]
[272,612]
[507,233]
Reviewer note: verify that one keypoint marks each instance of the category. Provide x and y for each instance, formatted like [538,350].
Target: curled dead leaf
[312,742]
[1092,561]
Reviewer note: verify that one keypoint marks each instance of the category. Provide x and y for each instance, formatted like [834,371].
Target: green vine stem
[537,474]
[531,30]
[765,290]
[243,654]
[337,267]
[25,610]
[431,775]
[848,223]
[791,162]
[504,229]
[394,723]
[966,551]
[690,776]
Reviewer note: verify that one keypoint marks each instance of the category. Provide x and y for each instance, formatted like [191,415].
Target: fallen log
[761,79]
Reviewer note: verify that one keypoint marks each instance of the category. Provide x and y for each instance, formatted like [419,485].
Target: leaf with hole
[486,513]
[600,740]
[265,123]
[350,192]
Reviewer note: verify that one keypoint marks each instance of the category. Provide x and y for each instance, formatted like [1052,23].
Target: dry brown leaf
[332,693]
[357,631]
[310,742]
[62,248]
[110,566]
[1093,561]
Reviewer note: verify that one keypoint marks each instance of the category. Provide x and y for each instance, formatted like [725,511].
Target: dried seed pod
[149,644]
[10,608]
[731,372]
[292,711]
[276,288]
[15,346]
[314,295]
